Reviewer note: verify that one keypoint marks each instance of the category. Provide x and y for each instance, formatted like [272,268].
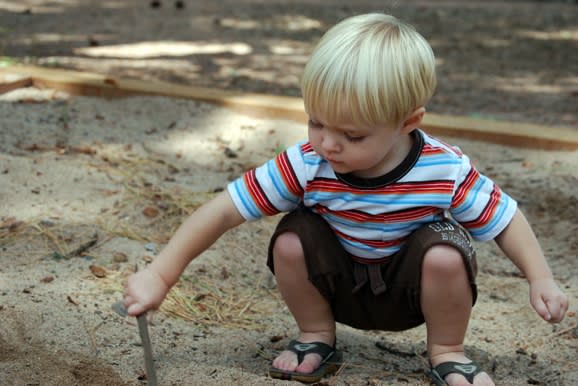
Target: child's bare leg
[446,302]
[310,310]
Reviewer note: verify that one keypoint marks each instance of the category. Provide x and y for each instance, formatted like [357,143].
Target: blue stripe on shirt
[496,218]
[245,197]
[442,200]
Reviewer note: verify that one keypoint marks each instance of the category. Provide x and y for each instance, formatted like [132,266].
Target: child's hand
[548,300]
[145,290]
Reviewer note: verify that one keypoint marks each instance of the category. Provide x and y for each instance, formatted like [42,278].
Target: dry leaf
[150,211]
[34,147]
[275,338]
[111,82]
[11,223]
[98,271]
[83,150]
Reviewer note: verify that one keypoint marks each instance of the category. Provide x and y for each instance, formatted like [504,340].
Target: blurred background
[508,60]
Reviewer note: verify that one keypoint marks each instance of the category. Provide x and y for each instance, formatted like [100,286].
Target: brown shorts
[371,297]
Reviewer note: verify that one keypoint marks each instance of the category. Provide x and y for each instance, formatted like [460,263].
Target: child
[380,213]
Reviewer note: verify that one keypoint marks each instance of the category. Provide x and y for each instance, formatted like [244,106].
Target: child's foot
[288,361]
[456,378]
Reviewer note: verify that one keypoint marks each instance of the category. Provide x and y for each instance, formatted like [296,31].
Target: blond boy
[380,213]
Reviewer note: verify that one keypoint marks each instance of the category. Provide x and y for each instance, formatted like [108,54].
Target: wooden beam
[270,106]
[509,133]
[10,82]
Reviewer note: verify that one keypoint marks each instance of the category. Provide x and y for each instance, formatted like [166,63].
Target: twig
[91,334]
[562,332]
[542,341]
[380,345]
[83,247]
[51,236]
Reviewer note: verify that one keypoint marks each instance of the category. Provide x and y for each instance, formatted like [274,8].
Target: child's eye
[314,124]
[353,138]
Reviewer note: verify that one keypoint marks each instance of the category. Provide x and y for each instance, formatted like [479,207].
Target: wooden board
[10,81]
[270,106]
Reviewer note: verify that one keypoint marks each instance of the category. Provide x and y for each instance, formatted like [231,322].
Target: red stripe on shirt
[427,187]
[431,150]
[412,214]
[488,211]
[465,187]
[307,148]
[258,195]
[288,174]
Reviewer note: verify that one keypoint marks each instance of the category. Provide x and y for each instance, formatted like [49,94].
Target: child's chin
[340,168]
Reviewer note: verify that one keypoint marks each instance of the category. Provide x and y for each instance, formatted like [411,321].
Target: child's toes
[286,361]
[310,363]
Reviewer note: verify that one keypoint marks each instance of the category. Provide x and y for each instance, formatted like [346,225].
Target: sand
[115,177]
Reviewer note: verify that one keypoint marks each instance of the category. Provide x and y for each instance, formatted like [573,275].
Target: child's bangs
[343,99]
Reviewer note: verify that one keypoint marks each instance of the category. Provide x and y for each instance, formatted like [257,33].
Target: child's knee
[443,261]
[288,247]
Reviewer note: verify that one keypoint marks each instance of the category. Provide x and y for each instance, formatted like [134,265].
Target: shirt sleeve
[479,204]
[271,188]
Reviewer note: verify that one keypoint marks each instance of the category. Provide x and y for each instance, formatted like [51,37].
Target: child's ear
[413,121]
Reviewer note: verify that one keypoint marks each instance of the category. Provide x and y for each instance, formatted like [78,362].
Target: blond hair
[369,69]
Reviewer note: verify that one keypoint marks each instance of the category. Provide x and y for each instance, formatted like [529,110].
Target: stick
[148,352]
[82,248]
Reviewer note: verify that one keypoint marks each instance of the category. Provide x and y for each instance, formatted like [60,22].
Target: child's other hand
[145,290]
[548,300]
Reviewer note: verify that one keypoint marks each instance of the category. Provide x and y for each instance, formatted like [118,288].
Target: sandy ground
[125,172]
[92,188]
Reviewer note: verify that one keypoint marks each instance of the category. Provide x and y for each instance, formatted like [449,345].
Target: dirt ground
[92,188]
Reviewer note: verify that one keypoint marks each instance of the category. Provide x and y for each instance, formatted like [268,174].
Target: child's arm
[520,245]
[147,289]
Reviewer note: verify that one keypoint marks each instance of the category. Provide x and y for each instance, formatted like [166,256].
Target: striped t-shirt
[372,218]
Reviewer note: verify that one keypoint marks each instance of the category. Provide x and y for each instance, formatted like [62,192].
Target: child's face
[365,152]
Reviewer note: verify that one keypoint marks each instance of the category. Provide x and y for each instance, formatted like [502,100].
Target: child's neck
[396,156]
[399,153]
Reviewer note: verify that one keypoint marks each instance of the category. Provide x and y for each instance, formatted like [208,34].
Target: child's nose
[330,143]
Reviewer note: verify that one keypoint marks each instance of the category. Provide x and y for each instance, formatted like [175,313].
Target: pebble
[151,247]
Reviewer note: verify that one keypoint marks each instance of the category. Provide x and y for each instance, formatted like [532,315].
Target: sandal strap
[467,370]
[325,351]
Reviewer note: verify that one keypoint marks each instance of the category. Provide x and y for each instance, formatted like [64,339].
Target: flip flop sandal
[330,362]
[467,370]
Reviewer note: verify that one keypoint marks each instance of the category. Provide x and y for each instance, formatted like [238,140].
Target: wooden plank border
[10,82]
[269,106]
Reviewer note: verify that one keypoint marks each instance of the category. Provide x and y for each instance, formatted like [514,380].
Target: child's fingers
[542,309]
[557,309]
[554,310]
[136,309]
[133,306]
[548,300]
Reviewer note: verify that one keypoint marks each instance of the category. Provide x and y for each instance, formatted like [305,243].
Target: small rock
[47,279]
[120,257]
[230,153]
[151,247]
